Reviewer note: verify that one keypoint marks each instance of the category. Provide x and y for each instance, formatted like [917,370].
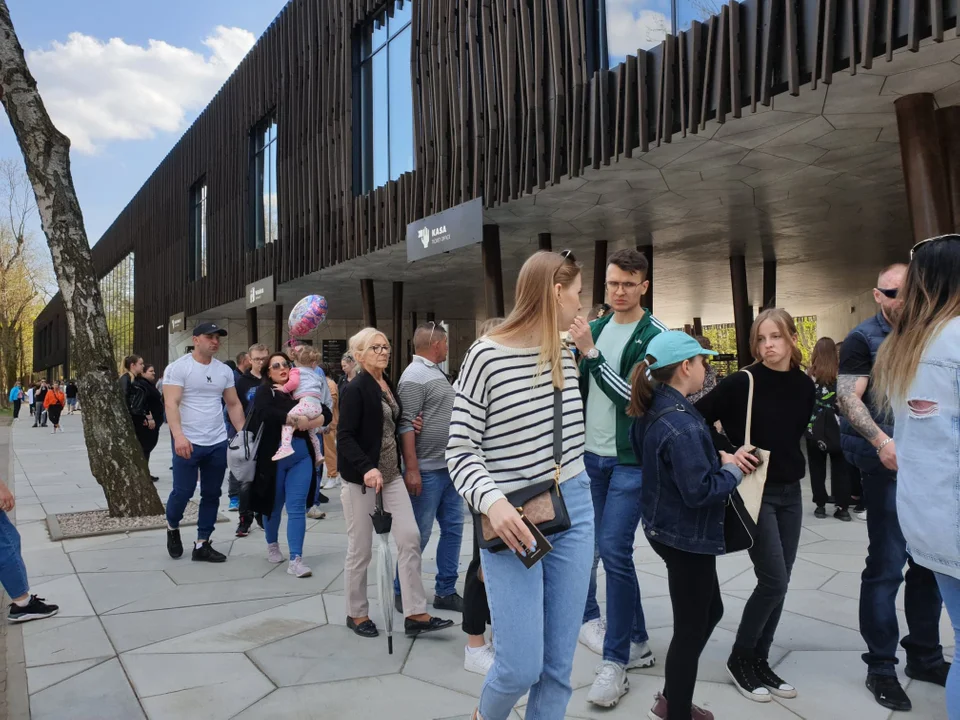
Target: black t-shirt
[71,390]
[782,405]
[247,386]
[855,356]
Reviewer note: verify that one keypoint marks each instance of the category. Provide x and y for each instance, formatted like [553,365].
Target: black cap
[209,328]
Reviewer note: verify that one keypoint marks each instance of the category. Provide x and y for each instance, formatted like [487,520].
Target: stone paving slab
[143,636]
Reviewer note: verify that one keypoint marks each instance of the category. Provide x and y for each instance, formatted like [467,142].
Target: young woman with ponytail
[685,488]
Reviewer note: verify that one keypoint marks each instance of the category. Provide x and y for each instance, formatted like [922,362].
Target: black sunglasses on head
[889,292]
[915,248]
[567,255]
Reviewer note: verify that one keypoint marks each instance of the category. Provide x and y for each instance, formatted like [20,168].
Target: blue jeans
[616,507]
[211,462]
[294,474]
[439,499]
[880,583]
[13,573]
[950,590]
[535,613]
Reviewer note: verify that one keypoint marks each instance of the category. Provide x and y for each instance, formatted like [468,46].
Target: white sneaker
[329,482]
[592,633]
[610,685]
[273,553]
[641,656]
[315,513]
[861,515]
[478,662]
[298,569]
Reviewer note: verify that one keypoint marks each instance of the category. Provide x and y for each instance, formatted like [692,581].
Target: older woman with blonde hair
[369,463]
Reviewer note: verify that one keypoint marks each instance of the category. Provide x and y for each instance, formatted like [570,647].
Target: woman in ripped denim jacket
[918,375]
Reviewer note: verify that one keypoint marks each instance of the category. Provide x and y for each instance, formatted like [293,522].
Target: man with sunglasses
[611,347]
[867,440]
[425,392]
[193,388]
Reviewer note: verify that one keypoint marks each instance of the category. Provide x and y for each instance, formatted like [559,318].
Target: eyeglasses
[951,236]
[281,364]
[889,292]
[627,286]
[257,360]
[380,349]
[435,325]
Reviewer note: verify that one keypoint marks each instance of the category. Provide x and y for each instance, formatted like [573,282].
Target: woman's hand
[745,461]
[508,524]
[151,425]
[279,388]
[373,479]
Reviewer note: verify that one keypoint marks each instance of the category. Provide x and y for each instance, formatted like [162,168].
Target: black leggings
[476,612]
[54,412]
[697,608]
[840,472]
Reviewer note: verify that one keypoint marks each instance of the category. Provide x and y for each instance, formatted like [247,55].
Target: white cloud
[101,91]
[630,27]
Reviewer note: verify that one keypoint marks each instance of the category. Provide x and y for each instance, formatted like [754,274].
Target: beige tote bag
[751,488]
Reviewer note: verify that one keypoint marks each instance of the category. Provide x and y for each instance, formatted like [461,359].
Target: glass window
[265,213]
[116,289]
[385,110]
[198,230]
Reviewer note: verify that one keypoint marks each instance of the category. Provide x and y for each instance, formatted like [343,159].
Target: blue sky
[126,103]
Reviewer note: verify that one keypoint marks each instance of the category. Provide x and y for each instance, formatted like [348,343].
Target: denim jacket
[684,486]
[927,435]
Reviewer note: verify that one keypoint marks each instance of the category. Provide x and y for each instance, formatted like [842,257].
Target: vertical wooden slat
[735,54]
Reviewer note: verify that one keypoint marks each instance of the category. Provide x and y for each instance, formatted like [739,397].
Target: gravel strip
[99,522]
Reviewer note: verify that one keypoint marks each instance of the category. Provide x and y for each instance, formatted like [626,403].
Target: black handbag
[542,499]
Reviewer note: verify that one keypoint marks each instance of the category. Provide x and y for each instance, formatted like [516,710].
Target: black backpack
[824,426]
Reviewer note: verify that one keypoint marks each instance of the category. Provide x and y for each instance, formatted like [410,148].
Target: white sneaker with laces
[641,656]
[273,553]
[315,513]
[610,685]
[478,662]
[592,633]
[298,569]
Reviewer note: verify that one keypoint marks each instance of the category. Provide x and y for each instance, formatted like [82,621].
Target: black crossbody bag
[541,503]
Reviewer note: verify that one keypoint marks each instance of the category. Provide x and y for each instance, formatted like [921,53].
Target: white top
[501,432]
[201,408]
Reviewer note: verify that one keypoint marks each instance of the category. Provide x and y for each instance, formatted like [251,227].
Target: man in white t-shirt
[193,388]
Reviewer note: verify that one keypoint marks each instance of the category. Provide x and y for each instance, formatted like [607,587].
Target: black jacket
[270,409]
[360,432]
[153,404]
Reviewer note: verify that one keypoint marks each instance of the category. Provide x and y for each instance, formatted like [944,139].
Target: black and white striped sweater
[501,431]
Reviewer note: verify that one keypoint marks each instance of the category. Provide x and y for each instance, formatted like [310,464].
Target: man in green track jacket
[611,347]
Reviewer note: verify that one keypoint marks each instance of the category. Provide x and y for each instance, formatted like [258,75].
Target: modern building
[758,151]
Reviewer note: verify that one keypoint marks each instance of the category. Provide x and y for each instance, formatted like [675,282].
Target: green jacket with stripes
[615,382]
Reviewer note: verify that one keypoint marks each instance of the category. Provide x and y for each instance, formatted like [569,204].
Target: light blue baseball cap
[672,347]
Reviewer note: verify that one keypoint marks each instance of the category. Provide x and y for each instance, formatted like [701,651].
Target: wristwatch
[592,354]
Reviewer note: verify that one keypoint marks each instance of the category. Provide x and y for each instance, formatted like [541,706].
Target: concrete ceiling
[813,181]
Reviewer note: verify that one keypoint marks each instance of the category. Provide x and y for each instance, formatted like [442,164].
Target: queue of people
[562,452]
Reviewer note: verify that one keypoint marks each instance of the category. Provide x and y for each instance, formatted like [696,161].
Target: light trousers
[357,508]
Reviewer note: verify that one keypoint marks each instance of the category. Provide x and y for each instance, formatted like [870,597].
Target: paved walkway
[142,635]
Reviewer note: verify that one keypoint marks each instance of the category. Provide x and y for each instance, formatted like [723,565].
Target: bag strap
[557,431]
[746,432]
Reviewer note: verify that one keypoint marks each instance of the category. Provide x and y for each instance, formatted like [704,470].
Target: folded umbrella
[382,522]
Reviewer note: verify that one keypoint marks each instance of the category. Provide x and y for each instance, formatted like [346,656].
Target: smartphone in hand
[543,546]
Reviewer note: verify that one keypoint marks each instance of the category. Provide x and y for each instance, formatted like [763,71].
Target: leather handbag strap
[557,427]
[746,432]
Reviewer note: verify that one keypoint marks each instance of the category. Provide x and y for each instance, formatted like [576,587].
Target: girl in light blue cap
[685,489]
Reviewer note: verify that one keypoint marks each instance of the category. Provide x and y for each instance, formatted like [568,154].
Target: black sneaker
[206,553]
[888,692]
[859,507]
[745,680]
[449,602]
[820,512]
[936,675]
[322,499]
[843,514]
[174,544]
[36,609]
[773,682]
[243,527]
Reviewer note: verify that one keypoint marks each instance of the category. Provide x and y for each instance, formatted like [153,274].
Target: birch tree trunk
[116,459]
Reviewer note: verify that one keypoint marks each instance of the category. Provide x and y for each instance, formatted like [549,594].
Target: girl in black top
[782,403]
[149,412]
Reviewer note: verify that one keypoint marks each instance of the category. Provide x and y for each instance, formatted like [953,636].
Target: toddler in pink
[305,386]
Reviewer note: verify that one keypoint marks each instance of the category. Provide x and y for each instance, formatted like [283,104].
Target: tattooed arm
[850,390]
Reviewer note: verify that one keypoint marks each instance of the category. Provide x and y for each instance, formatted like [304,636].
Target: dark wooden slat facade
[506,99]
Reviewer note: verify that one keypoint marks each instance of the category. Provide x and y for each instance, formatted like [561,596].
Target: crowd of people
[563,437]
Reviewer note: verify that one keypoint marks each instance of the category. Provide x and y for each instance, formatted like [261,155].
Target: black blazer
[360,432]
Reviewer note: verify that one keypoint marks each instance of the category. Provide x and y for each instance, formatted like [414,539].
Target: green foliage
[724,340]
